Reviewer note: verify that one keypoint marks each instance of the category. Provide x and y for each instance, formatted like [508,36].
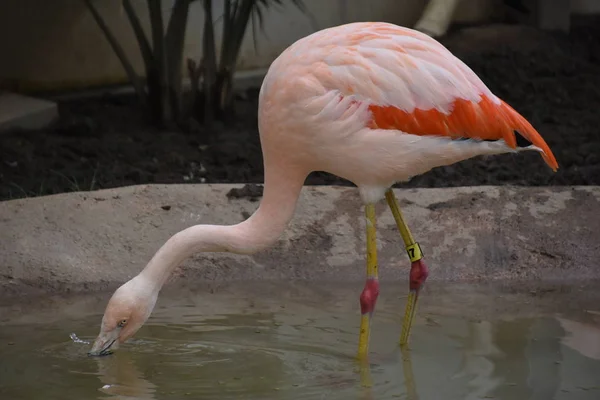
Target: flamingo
[370,102]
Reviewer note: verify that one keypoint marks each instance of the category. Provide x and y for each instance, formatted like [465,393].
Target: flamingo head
[126,312]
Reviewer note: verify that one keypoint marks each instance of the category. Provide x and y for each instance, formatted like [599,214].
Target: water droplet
[75,339]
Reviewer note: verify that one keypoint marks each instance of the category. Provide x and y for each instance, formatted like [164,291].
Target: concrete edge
[94,241]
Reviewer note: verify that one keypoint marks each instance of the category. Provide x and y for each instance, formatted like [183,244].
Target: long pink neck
[259,231]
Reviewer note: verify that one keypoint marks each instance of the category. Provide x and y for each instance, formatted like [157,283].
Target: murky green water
[299,343]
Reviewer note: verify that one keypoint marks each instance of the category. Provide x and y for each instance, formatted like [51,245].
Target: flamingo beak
[104,343]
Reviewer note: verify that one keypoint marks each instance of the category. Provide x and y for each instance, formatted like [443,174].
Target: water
[298,342]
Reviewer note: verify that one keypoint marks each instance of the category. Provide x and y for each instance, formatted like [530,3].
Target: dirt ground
[553,79]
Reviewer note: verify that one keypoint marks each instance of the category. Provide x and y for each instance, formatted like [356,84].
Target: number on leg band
[414,252]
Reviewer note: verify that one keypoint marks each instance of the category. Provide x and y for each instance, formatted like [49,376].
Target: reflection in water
[478,366]
[409,376]
[512,359]
[366,381]
[121,379]
[302,348]
[511,367]
[543,356]
[581,337]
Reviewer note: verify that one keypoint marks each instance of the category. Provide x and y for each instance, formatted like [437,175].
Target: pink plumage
[373,103]
[376,104]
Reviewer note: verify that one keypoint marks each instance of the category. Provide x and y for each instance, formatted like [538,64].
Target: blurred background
[105,93]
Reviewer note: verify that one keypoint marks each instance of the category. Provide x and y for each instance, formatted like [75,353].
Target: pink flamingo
[371,102]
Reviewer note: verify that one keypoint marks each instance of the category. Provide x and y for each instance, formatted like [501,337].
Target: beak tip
[99,353]
[101,347]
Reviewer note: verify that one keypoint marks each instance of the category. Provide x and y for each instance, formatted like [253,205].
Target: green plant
[218,71]
[161,92]
[211,79]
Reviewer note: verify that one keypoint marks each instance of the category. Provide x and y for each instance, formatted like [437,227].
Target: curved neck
[262,229]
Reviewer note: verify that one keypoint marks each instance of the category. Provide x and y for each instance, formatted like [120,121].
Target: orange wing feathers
[484,120]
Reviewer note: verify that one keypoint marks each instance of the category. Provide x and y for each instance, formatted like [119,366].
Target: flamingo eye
[122,323]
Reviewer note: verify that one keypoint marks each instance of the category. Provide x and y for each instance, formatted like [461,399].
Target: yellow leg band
[414,252]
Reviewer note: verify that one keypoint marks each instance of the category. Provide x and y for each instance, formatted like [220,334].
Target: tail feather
[516,122]
[483,120]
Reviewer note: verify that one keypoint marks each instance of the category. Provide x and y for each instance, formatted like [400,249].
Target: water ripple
[303,351]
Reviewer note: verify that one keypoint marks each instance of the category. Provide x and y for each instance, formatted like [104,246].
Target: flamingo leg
[409,376]
[368,297]
[418,269]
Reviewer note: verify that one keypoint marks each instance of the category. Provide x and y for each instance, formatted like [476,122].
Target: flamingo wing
[414,84]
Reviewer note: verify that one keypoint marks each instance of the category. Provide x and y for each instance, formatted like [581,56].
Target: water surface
[298,342]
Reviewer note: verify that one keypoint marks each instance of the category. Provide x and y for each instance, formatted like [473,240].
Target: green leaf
[140,35]
[134,78]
